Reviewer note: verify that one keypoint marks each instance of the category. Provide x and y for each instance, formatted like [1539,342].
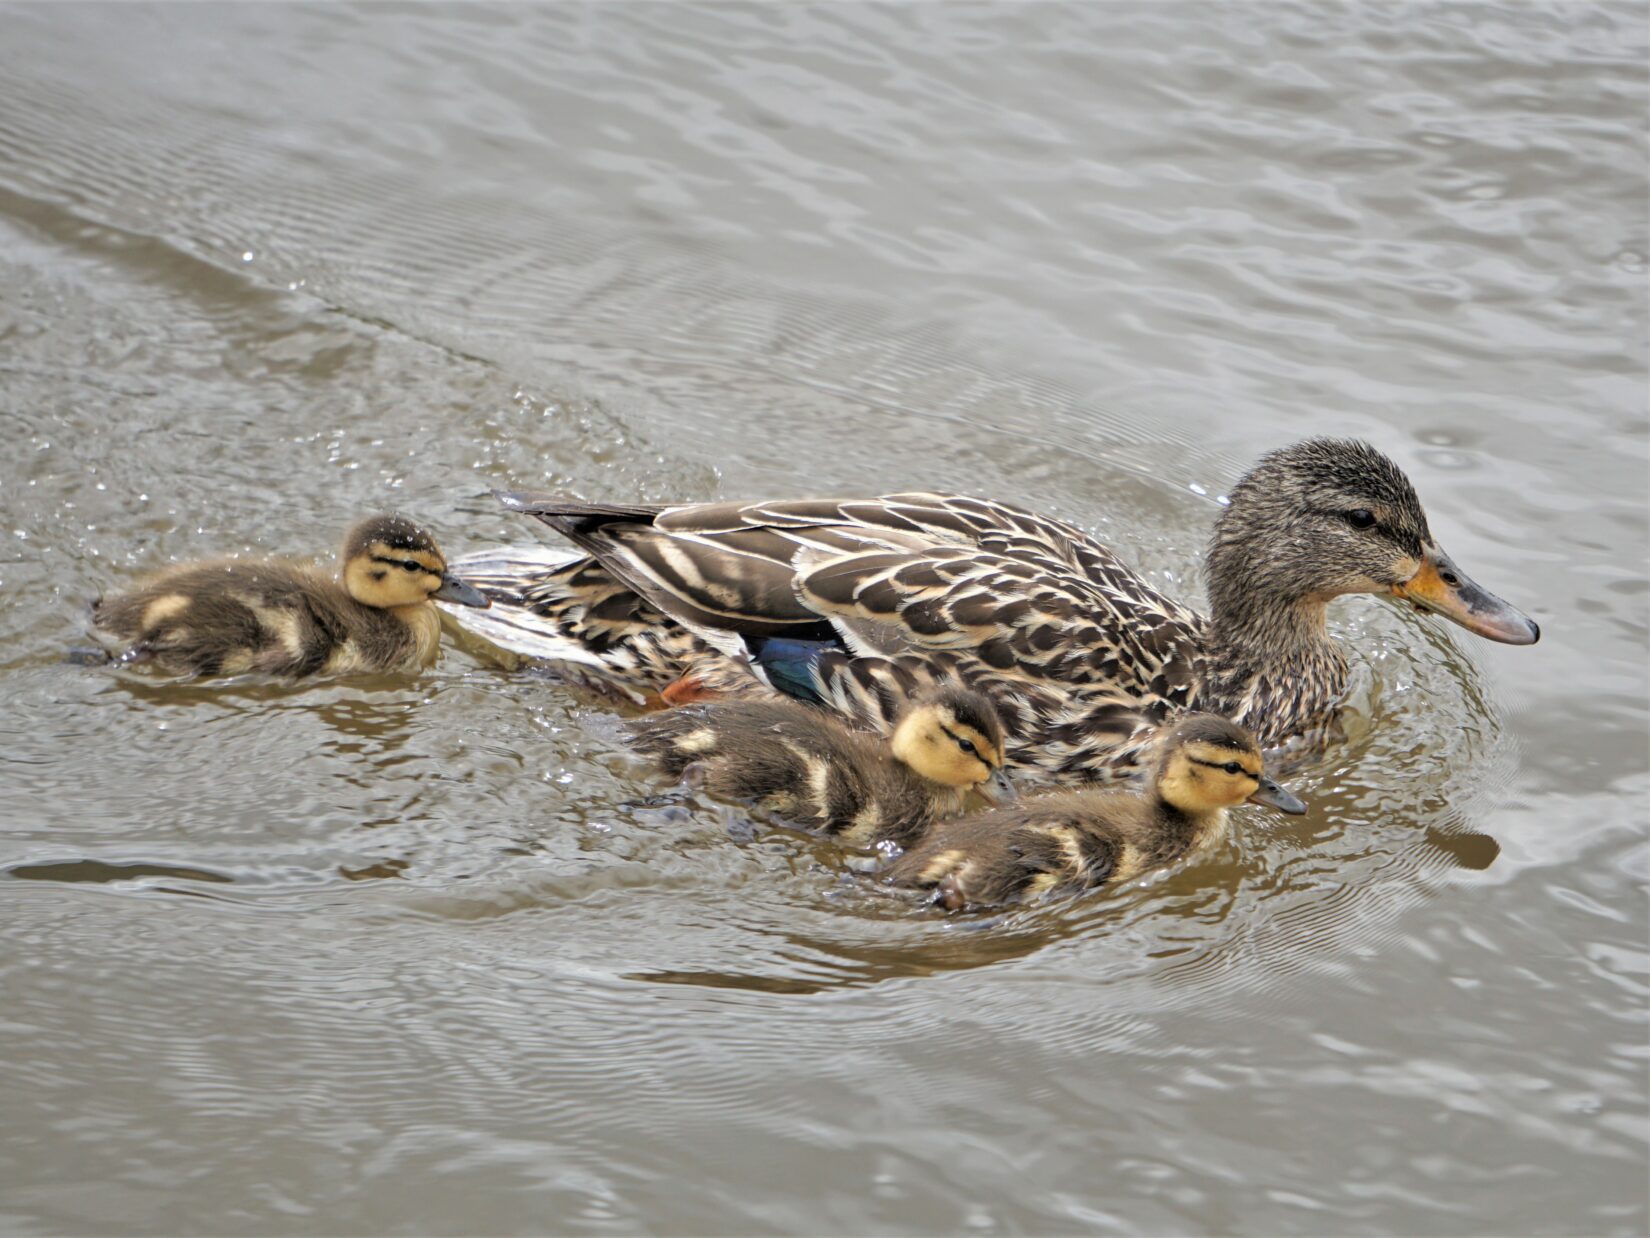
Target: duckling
[808,765]
[1064,842]
[231,617]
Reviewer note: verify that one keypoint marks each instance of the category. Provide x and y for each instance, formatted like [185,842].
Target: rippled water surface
[384,955]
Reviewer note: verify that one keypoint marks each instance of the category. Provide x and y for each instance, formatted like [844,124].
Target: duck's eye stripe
[1228,767]
[410,565]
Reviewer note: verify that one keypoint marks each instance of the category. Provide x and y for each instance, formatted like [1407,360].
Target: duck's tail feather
[559,606]
[575,515]
[510,573]
[510,576]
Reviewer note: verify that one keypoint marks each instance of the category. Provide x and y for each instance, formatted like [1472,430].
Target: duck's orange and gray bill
[1275,795]
[1444,589]
[455,590]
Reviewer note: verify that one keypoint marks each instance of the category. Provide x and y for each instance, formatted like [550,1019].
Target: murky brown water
[435,956]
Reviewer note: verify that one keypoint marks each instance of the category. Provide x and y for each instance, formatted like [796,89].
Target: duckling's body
[810,767]
[1065,842]
[229,617]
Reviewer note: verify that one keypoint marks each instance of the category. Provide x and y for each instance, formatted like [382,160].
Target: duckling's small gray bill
[455,590]
[1275,795]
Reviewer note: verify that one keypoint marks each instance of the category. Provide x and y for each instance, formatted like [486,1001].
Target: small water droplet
[1195,488]
[247,255]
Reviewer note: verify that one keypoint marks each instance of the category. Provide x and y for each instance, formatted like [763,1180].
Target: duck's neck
[1268,628]
[1273,666]
[424,623]
[942,799]
[1185,831]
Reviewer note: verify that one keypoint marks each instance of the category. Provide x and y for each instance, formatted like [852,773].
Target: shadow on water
[101,872]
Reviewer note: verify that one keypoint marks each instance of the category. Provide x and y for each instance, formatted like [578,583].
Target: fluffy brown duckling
[809,766]
[233,617]
[1064,842]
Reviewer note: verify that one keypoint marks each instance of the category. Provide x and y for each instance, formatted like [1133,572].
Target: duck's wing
[721,568]
[1014,613]
[900,573]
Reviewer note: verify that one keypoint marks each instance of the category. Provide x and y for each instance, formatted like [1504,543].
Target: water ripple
[379,955]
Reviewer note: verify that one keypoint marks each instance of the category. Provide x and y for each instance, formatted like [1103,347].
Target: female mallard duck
[809,766]
[858,603]
[1064,842]
[231,617]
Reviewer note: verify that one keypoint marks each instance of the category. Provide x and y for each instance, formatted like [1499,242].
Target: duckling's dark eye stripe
[1221,765]
[967,745]
[411,565]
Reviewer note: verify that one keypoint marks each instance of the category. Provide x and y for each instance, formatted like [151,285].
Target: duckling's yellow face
[390,562]
[1209,764]
[386,576]
[942,747]
[1200,777]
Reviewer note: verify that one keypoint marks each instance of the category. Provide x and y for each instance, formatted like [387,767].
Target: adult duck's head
[1330,516]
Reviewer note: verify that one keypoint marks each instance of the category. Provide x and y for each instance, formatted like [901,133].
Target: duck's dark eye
[1361,518]
[967,745]
[1232,767]
[413,565]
